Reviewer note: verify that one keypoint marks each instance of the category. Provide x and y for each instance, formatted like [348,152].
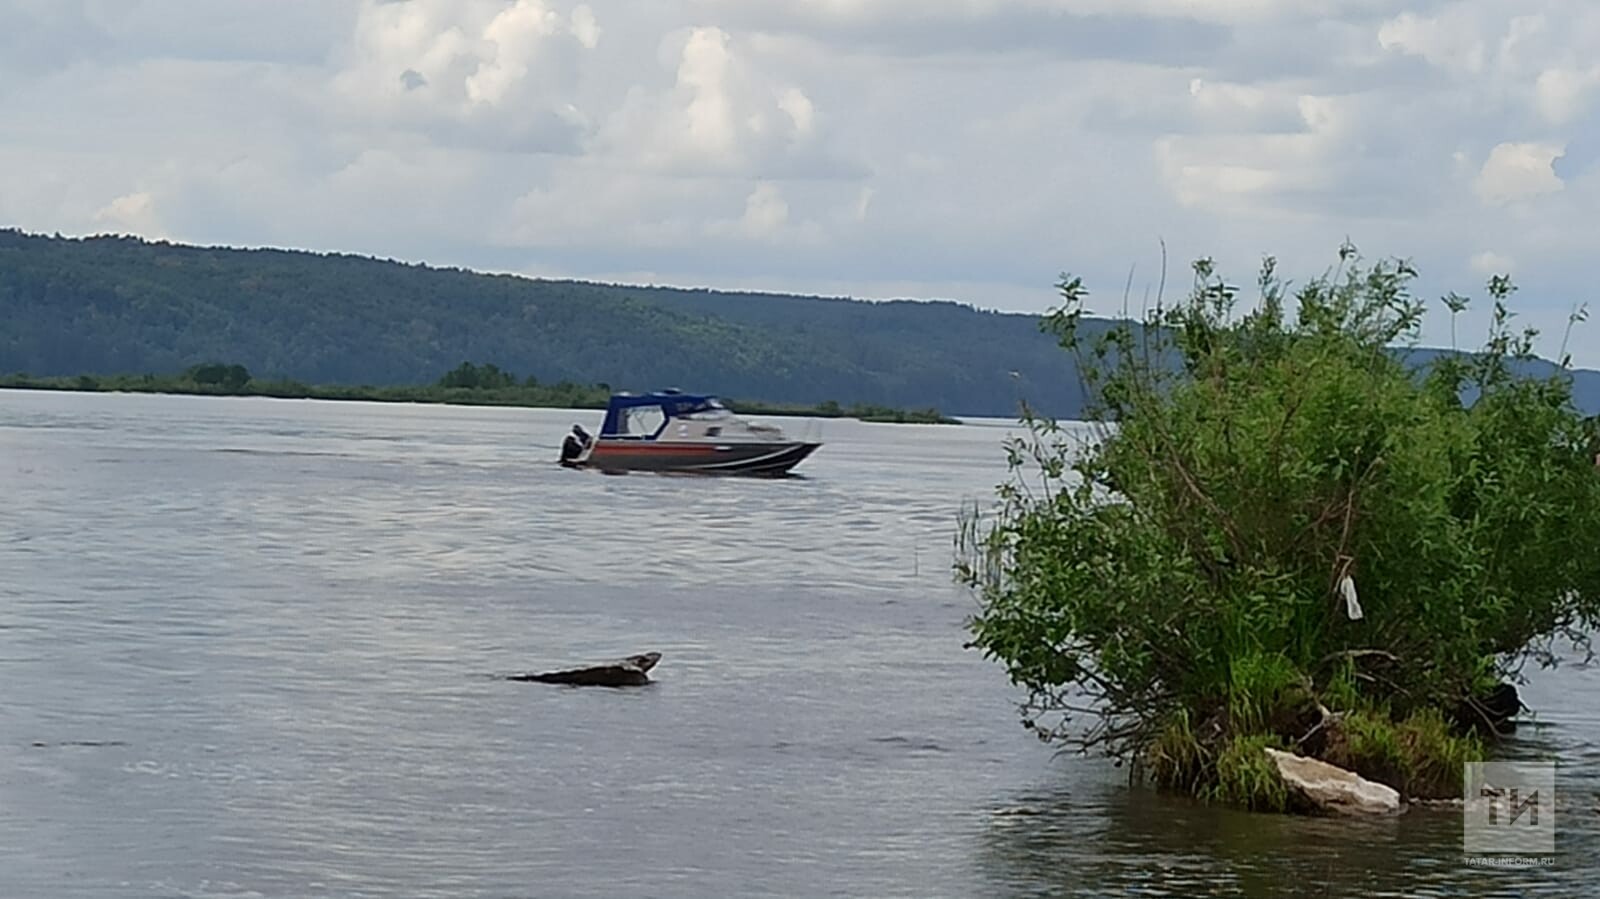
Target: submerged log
[633,671]
[1329,788]
[1494,713]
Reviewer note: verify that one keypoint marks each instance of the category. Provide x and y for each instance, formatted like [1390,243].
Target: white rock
[1331,788]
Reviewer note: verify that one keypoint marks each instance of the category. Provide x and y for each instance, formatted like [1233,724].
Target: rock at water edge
[1333,789]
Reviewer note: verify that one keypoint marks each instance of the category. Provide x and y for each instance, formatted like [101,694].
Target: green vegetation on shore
[859,411]
[465,385]
[1288,539]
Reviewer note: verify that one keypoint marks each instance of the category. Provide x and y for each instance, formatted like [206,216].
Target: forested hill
[114,305]
[109,305]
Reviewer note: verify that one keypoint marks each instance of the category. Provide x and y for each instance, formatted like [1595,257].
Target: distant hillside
[114,305]
[111,305]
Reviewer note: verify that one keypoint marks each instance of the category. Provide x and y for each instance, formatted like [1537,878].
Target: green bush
[1274,519]
[224,378]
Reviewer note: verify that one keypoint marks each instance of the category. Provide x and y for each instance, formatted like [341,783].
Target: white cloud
[133,213]
[708,115]
[585,27]
[498,74]
[765,211]
[800,110]
[720,115]
[964,148]
[1518,171]
[1283,144]
[1491,263]
[513,38]
[1241,104]
[1563,93]
[585,203]
[863,203]
[858,13]
[1450,40]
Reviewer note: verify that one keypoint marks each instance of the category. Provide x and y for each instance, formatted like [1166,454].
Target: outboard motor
[574,445]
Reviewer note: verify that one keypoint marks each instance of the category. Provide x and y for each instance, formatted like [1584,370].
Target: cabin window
[714,431]
[643,421]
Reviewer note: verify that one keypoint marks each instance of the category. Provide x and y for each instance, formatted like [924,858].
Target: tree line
[468,384]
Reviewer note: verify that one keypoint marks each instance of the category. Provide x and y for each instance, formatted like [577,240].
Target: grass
[1421,756]
[1246,777]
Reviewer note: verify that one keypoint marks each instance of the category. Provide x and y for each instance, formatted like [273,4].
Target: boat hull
[767,459]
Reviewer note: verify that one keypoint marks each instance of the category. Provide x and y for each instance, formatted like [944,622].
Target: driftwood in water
[1494,712]
[633,671]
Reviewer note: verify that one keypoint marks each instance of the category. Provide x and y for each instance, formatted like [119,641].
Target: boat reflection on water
[674,432]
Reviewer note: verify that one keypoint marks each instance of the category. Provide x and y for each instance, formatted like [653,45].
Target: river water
[250,648]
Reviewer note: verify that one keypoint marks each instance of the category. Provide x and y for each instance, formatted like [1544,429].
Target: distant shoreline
[560,396]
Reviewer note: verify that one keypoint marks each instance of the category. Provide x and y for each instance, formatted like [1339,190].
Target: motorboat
[672,431]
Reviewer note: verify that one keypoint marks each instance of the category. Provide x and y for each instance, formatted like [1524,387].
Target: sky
[940,149]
